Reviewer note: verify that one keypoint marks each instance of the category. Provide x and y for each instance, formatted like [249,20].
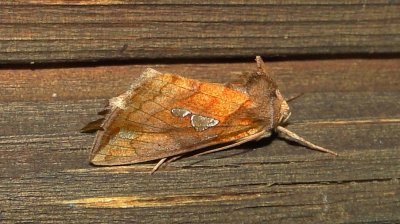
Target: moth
[163,116]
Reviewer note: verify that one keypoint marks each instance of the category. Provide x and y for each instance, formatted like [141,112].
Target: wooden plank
[104,82]
[346,107]
[51,31]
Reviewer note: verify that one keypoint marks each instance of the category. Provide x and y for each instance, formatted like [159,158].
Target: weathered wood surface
[49,31]
[351,106]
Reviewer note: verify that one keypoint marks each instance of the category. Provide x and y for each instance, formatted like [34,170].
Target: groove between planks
[49,31]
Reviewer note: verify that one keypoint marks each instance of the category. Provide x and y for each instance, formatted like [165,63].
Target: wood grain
[52,31]
[104,82]
[350,106]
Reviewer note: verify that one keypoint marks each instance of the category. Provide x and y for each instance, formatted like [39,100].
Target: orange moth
[163,116]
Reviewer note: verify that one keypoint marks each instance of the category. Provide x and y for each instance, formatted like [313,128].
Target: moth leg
[165,161]
[155,168]
[173,159]
[291,136]
[256,136]
[249,138]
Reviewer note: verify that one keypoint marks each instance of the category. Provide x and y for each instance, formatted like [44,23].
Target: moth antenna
[155,168]
[294,97]
[294,137]
[261,65]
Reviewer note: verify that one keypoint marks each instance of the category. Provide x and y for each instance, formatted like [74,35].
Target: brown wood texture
[351,106]
[51,31]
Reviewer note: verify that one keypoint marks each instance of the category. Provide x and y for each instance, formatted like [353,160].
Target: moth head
[284,111]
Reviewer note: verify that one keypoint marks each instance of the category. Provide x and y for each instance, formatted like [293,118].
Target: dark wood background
[61,60]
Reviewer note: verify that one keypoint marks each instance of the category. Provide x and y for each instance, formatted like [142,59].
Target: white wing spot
[198,122]
[179,112]
[201,123]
